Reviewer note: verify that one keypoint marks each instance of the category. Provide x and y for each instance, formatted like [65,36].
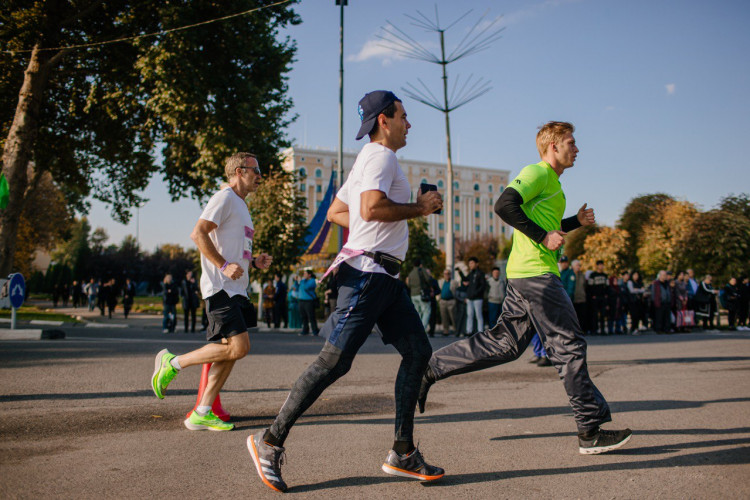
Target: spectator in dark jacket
[128,296]
[705,302]
[475,285]
[636,302]
[732,301]
[190,300]
[596,294]
[279,301]
[661,296]
[170,297]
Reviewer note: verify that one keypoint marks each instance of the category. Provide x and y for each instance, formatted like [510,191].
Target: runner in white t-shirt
[224,235]
[374,205]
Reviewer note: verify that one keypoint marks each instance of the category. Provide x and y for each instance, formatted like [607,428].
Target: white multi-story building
[475,189]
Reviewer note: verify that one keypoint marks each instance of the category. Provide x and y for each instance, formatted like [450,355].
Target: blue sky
[657,90]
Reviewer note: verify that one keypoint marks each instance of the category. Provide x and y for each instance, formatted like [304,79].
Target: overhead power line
[137,37]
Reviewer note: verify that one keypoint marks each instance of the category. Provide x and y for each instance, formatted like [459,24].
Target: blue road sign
[16,290]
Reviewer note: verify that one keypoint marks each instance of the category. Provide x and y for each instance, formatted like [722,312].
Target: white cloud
[374,49]
[670,88]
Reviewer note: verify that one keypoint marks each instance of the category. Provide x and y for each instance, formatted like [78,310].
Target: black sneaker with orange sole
[411,466]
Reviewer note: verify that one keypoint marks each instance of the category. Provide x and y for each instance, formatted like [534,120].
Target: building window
[457,227]
[302,172]
[501,189]
[491,229]
[317,205]
[440,183]
[455,185]
[442,240]
[318,173]
[456,212]
[476,187]
[301,158]
[424,181]
[476,201]
[476,214]
[318,188]
[318,159]
[457,199]
[502,229]
[477,228]
[303,187]
[490,186]
[441,226]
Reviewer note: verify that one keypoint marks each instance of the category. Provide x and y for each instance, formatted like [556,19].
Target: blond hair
[552,132]
[236,161]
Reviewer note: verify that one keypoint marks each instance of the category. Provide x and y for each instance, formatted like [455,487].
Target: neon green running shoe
[164,372]
[209,421]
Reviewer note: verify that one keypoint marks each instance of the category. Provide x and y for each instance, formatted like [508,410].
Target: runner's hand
[429,202]
[554,240]
[263,261]
[586,216]
[233,271]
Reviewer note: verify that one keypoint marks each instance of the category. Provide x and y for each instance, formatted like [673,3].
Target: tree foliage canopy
[104,119]
[608,244]
[421,246]
[636,215]
[662,239]
[278,213]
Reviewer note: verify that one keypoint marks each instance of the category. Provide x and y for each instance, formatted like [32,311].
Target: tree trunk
[18,152]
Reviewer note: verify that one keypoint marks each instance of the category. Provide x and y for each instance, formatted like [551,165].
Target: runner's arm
[338,213]
[508,207]
[375,206]
[206,247]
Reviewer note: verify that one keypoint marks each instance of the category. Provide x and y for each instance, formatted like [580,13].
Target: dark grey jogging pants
[532,305]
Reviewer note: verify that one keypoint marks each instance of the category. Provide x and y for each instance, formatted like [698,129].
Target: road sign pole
[13,318]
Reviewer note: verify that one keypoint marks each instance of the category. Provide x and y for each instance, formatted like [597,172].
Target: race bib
[247,249]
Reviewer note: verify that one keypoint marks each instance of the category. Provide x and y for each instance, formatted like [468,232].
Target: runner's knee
[333,360]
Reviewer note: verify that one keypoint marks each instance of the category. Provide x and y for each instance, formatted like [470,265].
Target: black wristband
[252,263]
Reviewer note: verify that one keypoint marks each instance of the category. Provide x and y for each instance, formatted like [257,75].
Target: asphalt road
[78,420]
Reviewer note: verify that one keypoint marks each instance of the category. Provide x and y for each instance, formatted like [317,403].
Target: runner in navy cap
[370,106]
[374,204]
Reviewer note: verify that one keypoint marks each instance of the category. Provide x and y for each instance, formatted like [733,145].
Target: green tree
[73,250]
[97,118]
[718,243]
[278,213]
[421,246]
[663,238]
[608,244]
[575,241]
[738,205]
[637,214]
[44,220]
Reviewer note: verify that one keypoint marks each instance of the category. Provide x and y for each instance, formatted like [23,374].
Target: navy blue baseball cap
[370,106]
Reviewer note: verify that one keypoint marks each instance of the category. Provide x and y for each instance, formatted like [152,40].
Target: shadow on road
[540,411]
[732,456]
[107,395]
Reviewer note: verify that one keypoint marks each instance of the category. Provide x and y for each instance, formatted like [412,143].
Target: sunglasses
[256,170]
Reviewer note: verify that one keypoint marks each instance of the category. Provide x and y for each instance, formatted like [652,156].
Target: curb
[31,334]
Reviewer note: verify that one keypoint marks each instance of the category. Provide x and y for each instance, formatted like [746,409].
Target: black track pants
[532,305]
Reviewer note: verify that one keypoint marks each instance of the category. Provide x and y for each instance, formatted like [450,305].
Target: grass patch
[28,313]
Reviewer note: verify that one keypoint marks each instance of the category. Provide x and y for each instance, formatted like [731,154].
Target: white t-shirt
[233,239]
[376,168]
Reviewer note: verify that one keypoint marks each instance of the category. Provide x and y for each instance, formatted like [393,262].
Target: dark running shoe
[268,460]
[601,441]
[423,390]
[412,466]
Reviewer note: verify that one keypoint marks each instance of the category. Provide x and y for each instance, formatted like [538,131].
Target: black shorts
[228,316]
